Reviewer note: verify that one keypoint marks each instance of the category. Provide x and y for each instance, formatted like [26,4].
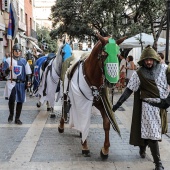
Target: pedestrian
[149,121]
[162,58]
[5,57]
[15,86]
[130,68]
[35,53]
[122,70]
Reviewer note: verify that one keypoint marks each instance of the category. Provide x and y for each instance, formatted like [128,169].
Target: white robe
[80,111]
[51,86]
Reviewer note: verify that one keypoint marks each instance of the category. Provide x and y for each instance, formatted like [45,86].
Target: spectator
[5,57]
[161,56]
[130,68]
[122,71]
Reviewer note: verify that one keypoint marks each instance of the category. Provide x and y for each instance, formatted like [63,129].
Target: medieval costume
[15,87]
[149,120]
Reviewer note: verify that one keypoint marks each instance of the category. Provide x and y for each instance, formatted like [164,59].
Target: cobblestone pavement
[37,144]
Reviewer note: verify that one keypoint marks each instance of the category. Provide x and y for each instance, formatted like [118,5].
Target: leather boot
[18,113]
[142,151]
[11,106]
[154,147]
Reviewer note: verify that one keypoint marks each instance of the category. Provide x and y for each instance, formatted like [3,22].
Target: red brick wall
[28,10]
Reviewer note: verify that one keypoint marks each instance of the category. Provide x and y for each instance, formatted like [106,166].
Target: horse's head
[63,53]
[67,51]
[109,50]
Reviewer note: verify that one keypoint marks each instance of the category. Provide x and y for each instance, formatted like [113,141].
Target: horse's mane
[84,56]
[76,60]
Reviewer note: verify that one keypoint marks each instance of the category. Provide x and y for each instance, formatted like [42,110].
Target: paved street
[37,144]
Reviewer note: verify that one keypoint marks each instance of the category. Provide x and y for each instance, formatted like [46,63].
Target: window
[7,3]
[2,5]
[21,15]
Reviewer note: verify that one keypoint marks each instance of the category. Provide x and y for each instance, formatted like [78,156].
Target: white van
[84,47]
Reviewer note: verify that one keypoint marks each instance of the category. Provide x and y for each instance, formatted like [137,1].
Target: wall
[28,11]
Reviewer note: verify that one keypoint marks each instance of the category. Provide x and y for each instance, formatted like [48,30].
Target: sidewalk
[37,144]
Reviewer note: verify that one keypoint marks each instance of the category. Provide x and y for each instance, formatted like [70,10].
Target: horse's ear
[102,39]
[119,41]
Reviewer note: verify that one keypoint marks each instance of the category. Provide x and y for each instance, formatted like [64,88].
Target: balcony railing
[33,33]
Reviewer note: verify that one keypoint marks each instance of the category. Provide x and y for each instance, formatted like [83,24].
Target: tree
[149,17]
[45,41]
[79,18]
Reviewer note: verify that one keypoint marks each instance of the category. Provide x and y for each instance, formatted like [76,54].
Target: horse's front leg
[85,149]
[64,115]
[51,110]
[106,126]
[39,103]
[61,125]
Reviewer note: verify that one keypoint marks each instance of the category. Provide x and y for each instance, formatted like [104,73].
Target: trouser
[154,148]
[11,105]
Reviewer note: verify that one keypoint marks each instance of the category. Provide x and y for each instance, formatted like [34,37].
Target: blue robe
[37,68]
[20,69]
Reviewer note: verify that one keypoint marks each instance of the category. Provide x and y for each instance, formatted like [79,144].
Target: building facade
[42,12]
[26,35]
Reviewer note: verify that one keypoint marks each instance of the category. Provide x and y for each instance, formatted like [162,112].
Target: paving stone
[10,139]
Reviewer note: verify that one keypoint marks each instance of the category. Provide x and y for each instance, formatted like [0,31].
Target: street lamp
[167,32]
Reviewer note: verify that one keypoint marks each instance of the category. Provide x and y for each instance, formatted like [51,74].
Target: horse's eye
[63,52]
[104,53]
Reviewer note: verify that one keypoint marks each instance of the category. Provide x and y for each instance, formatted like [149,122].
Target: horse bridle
[96,92]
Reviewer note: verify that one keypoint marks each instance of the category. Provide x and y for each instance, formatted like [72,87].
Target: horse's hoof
[48,109]
[60,130]
[86,153]
[38,105]
[103,156]
[52,116]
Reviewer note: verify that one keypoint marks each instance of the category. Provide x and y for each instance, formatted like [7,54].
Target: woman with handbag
[130,68]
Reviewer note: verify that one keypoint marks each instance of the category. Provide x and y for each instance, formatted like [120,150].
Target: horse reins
[95,91]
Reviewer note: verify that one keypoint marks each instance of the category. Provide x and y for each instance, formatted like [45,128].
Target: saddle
[75,65]
[49,58]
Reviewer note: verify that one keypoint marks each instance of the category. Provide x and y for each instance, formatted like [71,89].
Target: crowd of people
[127,67]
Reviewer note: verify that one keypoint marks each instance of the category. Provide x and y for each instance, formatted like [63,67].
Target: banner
[13,23]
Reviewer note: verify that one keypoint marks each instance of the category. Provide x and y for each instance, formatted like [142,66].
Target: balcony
[33,33]
[22,26]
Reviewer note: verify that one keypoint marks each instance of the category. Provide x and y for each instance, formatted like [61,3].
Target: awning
[35,45]
[31,40]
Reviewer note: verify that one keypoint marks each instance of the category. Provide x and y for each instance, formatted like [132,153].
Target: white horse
[50,77]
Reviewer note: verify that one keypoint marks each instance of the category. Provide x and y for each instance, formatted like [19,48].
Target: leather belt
[18,81]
